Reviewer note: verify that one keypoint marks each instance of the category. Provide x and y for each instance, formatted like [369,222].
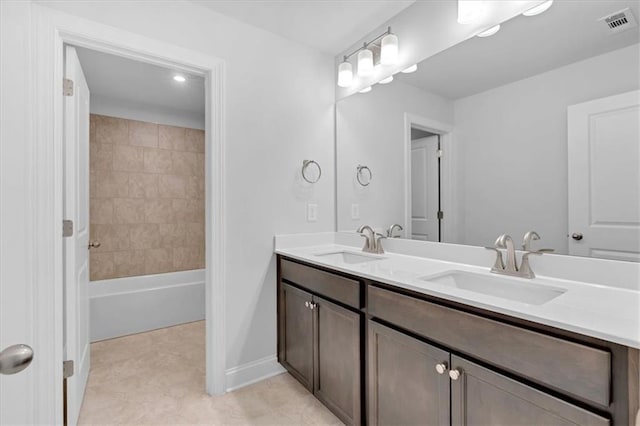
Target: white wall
[512,148]
[104,105]
[370,129]
[279,111]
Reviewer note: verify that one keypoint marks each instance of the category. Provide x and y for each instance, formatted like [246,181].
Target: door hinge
[67,228]
[441,215]
[439,153]
[67,87]
[67,369]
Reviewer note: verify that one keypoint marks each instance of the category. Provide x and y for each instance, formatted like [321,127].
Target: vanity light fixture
[412,68]
[386,80]
[345,73]
[365,62]
[470,11]
[179,78]
[389,49]
[382,50]
[366,89]
[489,32]
[537,10]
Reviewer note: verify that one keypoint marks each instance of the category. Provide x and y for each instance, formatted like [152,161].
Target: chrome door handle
[577,236]
[15,358]
[94,244]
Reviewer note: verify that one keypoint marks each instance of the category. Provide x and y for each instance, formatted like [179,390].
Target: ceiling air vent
[619,21]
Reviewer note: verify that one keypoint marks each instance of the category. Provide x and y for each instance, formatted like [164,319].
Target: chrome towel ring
[363,175]
[307,174]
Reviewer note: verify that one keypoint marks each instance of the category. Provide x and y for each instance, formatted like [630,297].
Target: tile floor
[158,378]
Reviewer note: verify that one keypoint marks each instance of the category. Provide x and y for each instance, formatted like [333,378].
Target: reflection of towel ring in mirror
[361,175]
[305,165]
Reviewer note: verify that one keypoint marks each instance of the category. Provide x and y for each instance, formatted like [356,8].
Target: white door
[76,248]
[424,189]
[604,177]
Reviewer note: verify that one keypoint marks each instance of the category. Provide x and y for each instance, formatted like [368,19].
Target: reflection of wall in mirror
[370,131]
[512,148]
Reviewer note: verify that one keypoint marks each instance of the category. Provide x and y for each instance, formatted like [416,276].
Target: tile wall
[146,198]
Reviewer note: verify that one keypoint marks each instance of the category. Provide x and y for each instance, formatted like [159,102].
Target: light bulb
[386,80]
[179,78]
[345,74]
[537,10]
[411,69]
[389,50]
[470,11]
[489,32]
[365,63]
[366,90]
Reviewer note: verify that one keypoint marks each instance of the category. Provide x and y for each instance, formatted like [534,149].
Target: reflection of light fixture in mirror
[470,11]
[537,10]
[389,49]
[365,63]
[366,89]
[179,78]
[345,73]
[489,32]
[411,69]
[386,80]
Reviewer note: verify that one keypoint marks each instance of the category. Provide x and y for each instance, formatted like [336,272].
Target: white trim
[51,30]
[252,372]
[447,164]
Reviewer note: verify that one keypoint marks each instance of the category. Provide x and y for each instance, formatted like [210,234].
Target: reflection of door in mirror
[425,188]
[604,177]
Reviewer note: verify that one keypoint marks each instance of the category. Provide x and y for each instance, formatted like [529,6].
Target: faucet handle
[378,243]
[499,263]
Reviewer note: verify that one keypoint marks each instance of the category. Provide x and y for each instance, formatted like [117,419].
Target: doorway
[429,212]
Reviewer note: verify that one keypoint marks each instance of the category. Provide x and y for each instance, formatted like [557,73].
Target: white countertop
[605,312]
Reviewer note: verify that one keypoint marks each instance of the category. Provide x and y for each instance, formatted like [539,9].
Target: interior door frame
[52,30]
[447,175]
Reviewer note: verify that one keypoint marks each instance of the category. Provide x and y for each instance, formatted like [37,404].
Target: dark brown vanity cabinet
[320,345]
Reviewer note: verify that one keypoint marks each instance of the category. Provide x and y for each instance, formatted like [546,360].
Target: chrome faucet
[373,243]
[393,228]
[511,268]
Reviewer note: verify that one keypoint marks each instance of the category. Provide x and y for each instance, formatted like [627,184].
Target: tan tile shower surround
[146,198]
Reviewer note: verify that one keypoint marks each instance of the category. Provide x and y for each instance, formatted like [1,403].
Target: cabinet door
[296,351]
[404,386]
[480,396]
[337,359]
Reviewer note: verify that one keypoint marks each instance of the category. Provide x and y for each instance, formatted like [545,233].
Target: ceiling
[330,26]
[139,83]
[525,46]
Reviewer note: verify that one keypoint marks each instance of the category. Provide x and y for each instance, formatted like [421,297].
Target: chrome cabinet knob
[312,306]
[441,368]
[306,304]
[455,373]
[94,244]
[577,236]
[15,358]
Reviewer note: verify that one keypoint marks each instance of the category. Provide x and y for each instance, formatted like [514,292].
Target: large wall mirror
[533,128]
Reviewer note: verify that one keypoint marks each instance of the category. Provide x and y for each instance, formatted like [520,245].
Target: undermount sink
[499,286]
[349,257]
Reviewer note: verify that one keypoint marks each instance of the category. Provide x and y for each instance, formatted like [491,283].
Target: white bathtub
[130,305]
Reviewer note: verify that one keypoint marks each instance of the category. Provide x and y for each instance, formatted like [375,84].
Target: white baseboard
[252,372]
[123,306]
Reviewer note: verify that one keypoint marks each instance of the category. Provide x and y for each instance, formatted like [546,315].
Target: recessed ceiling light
[179,78]
[489,32]
[386,80]
[366,90]
[537,10]
[411,69]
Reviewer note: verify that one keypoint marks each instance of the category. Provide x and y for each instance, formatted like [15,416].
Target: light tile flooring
[158,378]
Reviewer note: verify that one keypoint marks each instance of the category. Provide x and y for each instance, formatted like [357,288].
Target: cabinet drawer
[569,367]
[335,287]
